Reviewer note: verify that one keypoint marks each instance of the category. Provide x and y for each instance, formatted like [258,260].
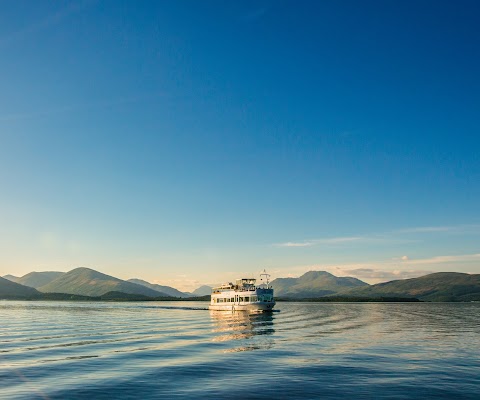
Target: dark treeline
[347,299]
[110,296]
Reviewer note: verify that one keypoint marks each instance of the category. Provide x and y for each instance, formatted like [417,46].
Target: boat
[244,295]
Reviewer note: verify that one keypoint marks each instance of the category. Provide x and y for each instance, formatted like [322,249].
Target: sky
[187,142]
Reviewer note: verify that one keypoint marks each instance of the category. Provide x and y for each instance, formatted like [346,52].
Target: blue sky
[192,142]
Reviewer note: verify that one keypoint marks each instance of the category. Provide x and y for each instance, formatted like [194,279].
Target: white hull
[242,307]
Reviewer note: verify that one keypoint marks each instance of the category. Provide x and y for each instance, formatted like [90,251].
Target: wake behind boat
[244,295]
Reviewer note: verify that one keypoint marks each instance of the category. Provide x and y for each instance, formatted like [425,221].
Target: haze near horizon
[195,142]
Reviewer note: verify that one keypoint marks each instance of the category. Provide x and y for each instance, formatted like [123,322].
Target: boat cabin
[243,295]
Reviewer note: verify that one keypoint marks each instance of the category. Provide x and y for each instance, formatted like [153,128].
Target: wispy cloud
[345,239]
[397,236]
[295,244]
[464,258]
[454,229]
[308,243]
[425,229]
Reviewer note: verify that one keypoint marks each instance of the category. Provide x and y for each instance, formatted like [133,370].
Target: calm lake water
[73,350]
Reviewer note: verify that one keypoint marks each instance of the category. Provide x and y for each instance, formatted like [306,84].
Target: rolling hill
[440,286]
[88,282]
[37,279]
[314,284]
[11,278]
[169,291]
[202,291]
[12,290]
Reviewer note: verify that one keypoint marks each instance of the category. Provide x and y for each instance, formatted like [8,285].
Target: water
[73,350]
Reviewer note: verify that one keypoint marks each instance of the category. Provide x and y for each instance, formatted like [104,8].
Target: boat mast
[267,277]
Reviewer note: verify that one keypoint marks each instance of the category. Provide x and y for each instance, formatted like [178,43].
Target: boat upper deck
[241,285]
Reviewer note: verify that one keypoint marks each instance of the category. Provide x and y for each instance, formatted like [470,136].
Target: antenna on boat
[267,277]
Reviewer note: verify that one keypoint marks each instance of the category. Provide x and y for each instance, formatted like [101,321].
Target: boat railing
[239,289]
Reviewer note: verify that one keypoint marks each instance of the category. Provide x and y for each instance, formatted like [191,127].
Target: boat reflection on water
[243,330]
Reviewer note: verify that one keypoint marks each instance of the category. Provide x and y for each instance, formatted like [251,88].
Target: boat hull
[251,307]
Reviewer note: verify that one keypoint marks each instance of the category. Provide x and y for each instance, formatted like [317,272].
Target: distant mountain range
[9,289]
[14,291]
[314,284]
[11,278]
[440,286]
[36,279]
[169,291]
[202,291]
[88,284]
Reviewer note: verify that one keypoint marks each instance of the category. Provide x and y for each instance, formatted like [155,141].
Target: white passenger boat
[244,295]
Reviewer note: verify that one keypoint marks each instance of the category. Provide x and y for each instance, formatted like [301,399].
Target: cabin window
[247,298]
[240,299]
[253,298]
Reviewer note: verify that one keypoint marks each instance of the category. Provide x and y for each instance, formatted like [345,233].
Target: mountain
[12,290]
[88,282]
[202,291]
[11,278]
[440,286]
[37,279]
[169,291]
[314,284]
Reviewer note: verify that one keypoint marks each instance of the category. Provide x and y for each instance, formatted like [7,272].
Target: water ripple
[58,350]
